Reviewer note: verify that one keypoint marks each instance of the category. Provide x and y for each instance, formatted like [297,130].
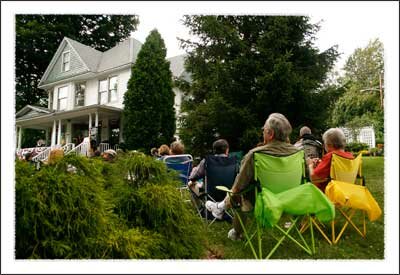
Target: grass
[350,246]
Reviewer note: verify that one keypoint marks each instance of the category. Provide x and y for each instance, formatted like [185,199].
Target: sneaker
[213,208]
[233,235]
[287,225]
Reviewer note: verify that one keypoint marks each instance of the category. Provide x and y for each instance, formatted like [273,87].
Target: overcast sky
[349,28]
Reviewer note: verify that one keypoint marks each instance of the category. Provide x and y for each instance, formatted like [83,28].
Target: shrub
[150,200]
[356,147]
[61,214]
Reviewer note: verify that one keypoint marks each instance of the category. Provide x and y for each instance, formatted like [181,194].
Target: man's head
[276,127]
[177,148]
[305,130]
[221,146]
[334,138]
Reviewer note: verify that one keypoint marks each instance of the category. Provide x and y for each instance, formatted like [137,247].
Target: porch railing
[103,146]
[34,150]
[43,155]
[81,149]
[68,147]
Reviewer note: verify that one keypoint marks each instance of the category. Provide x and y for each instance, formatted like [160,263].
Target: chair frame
[186,175]
[258,255]
[347,213]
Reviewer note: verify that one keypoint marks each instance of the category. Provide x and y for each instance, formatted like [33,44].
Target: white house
[85,93]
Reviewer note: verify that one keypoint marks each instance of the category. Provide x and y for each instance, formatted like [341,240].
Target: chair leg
[312,235]
[321,231]
[246,234]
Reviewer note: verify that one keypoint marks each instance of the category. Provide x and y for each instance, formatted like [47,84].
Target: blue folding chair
[182,164]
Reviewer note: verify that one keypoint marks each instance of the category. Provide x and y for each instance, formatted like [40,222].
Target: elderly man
[276,131]
[312,147]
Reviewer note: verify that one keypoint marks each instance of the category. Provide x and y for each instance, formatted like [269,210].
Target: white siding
[91,91]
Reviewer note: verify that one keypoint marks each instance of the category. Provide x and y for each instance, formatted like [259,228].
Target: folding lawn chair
[182,164]
[281,188]
[219,170]
[347,191]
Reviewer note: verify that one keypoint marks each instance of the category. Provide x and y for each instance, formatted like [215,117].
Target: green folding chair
[282,188]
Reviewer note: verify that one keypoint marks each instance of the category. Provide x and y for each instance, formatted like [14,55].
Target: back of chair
[279,174]
[180,163]
[219,171]
[344,169]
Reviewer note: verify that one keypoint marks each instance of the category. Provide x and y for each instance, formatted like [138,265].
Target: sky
[349,28]
[348,24]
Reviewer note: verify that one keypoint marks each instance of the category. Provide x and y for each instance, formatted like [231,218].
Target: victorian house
[85,96]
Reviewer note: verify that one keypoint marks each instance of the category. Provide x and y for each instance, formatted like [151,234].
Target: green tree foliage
[244,68]
[363,67]
[360,105]
[149,116]
[38,37]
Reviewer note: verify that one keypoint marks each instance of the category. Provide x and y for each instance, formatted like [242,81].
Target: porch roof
[43,120]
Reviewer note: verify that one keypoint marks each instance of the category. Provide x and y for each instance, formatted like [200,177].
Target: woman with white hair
[334,143]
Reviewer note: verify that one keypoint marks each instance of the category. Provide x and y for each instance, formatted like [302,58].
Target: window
[108,90]
[62,98]
[103,92]
[113,89]
[65,61]
[80,94]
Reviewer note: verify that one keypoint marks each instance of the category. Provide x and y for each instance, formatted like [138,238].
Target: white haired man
[276,131]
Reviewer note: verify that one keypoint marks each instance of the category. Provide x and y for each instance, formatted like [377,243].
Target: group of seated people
[276,131]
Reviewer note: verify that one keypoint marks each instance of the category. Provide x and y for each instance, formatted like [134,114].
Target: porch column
[19,137]
[46,133]
[90,124]
[96,120]
[68,133]
[53,134]
[59,133]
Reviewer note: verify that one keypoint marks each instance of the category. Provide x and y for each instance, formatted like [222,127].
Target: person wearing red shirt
[334,143]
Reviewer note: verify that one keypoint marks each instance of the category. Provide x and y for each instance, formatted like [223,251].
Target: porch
[98,122]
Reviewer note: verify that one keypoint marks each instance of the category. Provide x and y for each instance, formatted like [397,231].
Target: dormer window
[65,61]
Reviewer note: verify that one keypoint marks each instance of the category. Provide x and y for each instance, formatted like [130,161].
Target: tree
[360,105]
[148,116]
[38,37]
[244,68]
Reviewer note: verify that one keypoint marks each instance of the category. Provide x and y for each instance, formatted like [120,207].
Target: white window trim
[58,98]
[108,91]
[69,61]
[84,92]
[109,88]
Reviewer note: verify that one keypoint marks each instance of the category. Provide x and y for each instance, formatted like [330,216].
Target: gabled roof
[30,108]
[91,57]
[177,66]
[96,61]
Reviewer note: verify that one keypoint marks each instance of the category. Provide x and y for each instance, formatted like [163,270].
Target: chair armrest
[223,188]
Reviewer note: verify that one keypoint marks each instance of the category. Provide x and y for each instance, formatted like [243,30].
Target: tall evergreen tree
[246,67]
[149,115]
[38,37]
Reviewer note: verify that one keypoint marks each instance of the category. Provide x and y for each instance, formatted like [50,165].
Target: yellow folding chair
[347,191]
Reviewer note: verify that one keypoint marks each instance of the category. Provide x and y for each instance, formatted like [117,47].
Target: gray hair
[280,125]
[334,137]
[305,130]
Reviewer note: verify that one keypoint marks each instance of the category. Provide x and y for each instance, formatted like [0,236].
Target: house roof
[177,66]
[28,108]
[96,61]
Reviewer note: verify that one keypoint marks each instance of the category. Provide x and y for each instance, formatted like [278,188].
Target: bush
[356,147]
[66,215]
[150,200]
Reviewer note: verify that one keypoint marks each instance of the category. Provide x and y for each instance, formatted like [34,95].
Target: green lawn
[350,246]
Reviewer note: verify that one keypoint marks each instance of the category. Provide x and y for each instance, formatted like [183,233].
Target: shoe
[287,224]
[233,235]
[213,208]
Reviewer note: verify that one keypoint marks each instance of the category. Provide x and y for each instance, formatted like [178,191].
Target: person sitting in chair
[312,147]
[276,131]
[334,143]
[220,148]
